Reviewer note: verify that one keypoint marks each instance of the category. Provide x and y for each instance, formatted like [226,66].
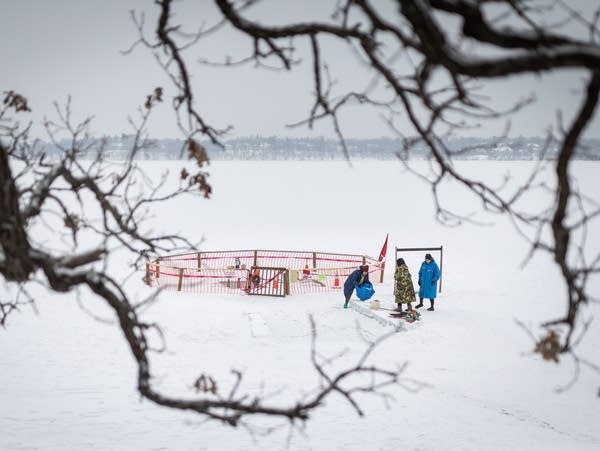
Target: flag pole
[382,257]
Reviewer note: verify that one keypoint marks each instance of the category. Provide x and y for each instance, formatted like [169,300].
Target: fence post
[180,283]
[286,282]
[158,267]
[199,260]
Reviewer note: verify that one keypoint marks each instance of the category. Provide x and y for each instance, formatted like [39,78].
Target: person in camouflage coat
[404,290]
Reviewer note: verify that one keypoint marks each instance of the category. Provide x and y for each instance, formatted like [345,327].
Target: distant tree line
[282,148]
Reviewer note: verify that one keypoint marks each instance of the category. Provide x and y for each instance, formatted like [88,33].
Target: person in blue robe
[429,274]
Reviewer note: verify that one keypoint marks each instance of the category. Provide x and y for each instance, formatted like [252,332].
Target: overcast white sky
[53,49]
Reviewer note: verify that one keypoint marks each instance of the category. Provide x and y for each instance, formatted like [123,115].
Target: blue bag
[365,291]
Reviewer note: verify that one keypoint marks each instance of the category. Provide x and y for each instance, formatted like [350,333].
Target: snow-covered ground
[67,381]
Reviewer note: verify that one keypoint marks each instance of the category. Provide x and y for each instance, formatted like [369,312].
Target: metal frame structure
[439,249]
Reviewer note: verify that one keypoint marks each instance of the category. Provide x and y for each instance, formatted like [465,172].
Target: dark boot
[431,309]
[420,304]
[399,307]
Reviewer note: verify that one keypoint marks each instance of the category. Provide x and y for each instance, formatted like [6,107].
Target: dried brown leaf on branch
[199,179]
[196,151]
[16,101]
[549,346]
[154,98]
[206,384]
[72,222]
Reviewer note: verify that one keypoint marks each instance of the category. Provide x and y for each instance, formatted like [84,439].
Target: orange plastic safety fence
[229,272]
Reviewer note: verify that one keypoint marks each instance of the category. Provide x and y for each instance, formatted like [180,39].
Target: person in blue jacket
[429,274]
[355,279]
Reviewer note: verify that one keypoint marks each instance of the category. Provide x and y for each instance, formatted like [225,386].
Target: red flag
[384,249]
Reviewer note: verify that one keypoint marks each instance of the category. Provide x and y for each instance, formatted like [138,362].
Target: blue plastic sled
[365,291]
